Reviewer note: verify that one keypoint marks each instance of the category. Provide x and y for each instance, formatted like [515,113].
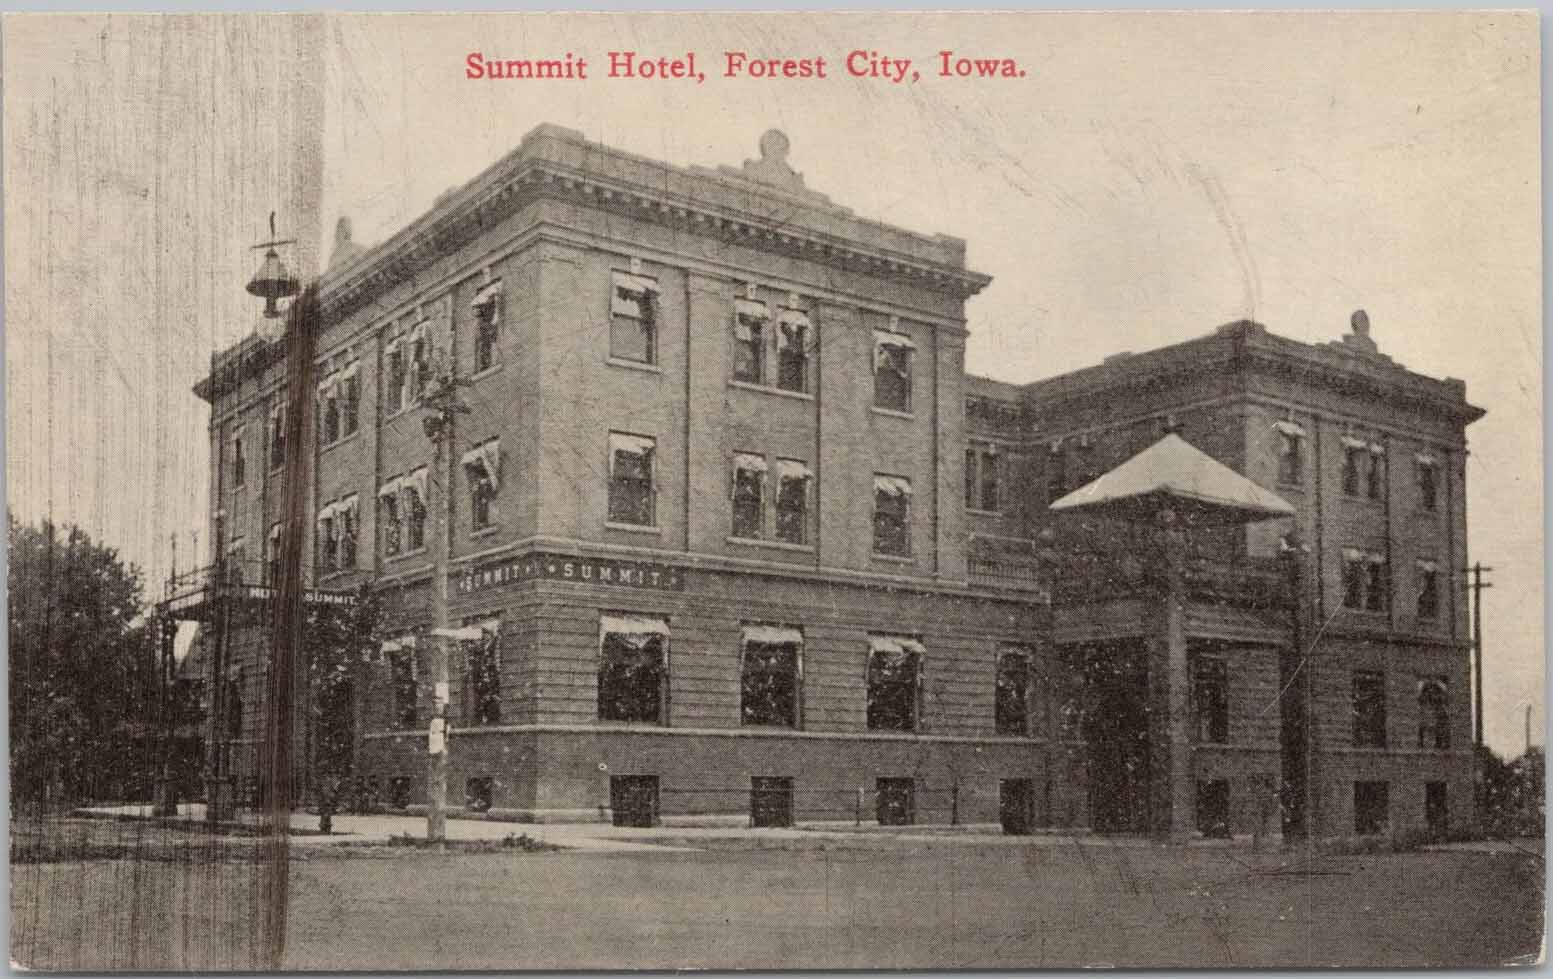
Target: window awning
[474,632]
[892,485]
[629,292]
[274,533]
[327,386]
[1289,428]
[349,506]
[398,644]
[634,630]
[392,346]
[235,546]
[486,457]
[1425,459]
[1349,442]
[390,488]
[487,295]
[885,341]
[417,481]
[772,635]
[747,312]
[1429,566]
[327,511]
[749,462]
[895,644]
[794,326]
[1352,554]
[632,445]
[415,333]
[793,469]
[1376,558]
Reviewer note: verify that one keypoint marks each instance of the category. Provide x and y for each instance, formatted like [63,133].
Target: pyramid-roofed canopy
[1172,474]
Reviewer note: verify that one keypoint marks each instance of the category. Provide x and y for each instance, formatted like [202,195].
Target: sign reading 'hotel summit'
[554,567]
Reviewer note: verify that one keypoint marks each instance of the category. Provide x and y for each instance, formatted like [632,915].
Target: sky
[1149,177]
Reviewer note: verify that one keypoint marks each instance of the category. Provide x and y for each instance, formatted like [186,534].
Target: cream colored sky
[1152,176]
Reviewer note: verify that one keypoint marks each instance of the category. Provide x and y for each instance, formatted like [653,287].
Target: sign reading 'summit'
[582,570]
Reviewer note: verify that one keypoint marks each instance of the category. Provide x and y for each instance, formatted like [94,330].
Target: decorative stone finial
[772,167]
[345,250]
[1360,321]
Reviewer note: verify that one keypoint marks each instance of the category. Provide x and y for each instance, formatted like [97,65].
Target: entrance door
[1117,730]
[633,800]
[1016,798]
[771,801]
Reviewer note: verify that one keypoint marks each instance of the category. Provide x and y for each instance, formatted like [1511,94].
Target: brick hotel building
[741,540]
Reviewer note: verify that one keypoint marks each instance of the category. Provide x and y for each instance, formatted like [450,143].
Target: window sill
[487,372]
[405,554]
[770,389]
[779,545]
[604,722]
[975,512]
[892,412]
[769,727]
[894,558]
[1291,487]
[634,365]
[633,528]
[485,531]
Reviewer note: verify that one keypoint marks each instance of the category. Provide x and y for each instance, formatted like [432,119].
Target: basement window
[633,319]
[1213,808]
[771,675]
[1371,807]
[633,669]
[896,803]
[771,801]
[894,683]
[477,793]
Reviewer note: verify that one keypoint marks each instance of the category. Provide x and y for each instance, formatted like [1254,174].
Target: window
[234,703]
[771,801]
[1428,481]
[277,435]
[1354,453]
[1375,476]
[633,320]
[1378,593]
[239,466]
[346,514]
[1353,578]
[350,399]
[392,520]
[892,370]
[633,800]
[749,341]
[1371,807]
[328,538]
[413,505]
[236,560]
[772,675]
[272,562]
[792,501]
[1056,472]
[1011,695]
[1434,728]
[418,369]
[1210,700]
[394,372]
[487,309]
[749,503]
[1213,808]
[403,674]
[477,793]
[794,337]
[1369,709]
[329,408]
[482,468]
[892,516]
[1436,808]
[894,683]
[1016,805]
[1291,452]
[484,663]
[896,801]
[981,478]
[1428,590]
[631,479]
[633,669]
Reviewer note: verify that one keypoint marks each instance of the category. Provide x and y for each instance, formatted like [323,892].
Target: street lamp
[273,281]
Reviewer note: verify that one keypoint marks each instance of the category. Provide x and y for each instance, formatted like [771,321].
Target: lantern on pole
[273,281]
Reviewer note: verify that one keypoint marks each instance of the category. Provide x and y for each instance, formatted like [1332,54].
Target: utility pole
[443,406]
[1477,585]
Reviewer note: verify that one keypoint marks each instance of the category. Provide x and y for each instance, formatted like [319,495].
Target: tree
[75,670]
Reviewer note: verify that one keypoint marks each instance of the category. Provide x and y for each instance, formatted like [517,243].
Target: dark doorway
[1116,727]
[1371,807]
[896,806]
[633,799]
[1436,812]
[1016,798]
[771,801]
[1213,808]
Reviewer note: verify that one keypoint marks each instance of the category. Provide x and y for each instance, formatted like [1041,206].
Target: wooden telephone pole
[1477,585]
